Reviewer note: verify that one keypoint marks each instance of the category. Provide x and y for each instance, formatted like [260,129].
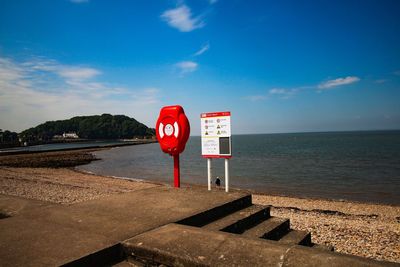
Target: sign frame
[228,133]
[220,128]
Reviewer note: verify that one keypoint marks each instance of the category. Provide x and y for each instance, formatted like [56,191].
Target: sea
[355,166]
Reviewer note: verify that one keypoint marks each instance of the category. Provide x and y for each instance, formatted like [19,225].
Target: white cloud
[338,82]
[277,91]
[186,66]
[9,72]
[181,19]
[202,50]
[64,71]
[41,89]
[285,93]
[78,73]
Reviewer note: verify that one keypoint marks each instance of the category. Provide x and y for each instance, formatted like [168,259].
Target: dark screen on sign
[224,146]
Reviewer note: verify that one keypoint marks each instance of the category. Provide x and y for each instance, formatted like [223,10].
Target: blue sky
[278,66]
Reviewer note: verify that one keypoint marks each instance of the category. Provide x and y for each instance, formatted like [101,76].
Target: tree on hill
[103,126]
[8,138]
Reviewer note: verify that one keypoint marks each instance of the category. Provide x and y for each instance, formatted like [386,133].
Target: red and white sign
[216,135]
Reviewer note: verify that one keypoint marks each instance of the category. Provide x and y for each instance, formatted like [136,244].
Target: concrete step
[273,228]
[210,215]
[241,220]
[181,245]
[109,256]
[297,237]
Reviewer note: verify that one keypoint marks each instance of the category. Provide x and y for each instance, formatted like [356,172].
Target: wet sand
[368,230]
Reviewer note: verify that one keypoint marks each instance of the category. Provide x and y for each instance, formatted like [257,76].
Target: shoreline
[250,191]
[82,156]
[71,158]
[342,200]
[10,152]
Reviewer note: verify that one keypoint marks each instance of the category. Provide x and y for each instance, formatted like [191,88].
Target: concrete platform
[173,245]
[43,234]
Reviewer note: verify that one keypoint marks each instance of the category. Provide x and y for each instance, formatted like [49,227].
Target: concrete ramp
[42,234]
[235,233]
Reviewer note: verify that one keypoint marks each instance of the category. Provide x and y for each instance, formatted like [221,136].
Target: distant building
[72,135]
[58,136]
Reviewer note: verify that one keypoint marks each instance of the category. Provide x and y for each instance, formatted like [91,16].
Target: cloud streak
[283,93]
[186,66]
[202,50]
[286,93]
[77,73]
[181,18]
[338,82]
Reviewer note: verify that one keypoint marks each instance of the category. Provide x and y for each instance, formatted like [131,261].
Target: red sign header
[215,114]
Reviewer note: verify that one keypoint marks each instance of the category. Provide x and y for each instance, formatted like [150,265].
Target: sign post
[216,141]
[209,174]
[226,175]
[172,130]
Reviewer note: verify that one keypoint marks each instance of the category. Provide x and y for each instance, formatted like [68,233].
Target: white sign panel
[216,135]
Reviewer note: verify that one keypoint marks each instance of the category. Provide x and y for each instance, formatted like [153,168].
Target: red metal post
[177,176]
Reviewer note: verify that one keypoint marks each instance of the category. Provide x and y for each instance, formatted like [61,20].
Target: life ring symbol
[168,130]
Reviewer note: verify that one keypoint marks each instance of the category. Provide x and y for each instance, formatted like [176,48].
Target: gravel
[367,230]
[61,185]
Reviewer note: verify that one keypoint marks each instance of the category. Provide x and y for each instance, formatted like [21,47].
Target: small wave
[129,178]
[113,176]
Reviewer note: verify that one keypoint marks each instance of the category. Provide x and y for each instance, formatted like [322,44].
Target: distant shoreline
[57,158]
[10,151]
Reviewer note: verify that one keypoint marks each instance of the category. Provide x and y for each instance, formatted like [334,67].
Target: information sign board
[216,135]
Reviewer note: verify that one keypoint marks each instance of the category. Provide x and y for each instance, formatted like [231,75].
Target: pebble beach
[362,229]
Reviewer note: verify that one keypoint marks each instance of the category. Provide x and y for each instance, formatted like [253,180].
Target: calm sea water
[360,166]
